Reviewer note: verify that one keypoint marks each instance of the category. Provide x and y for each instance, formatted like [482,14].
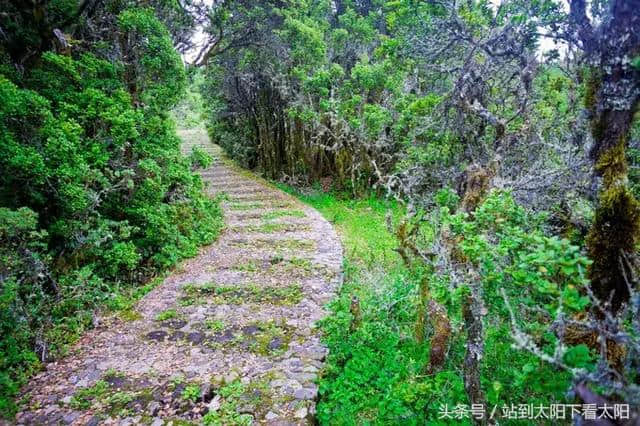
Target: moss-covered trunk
[614,234]
[611,98]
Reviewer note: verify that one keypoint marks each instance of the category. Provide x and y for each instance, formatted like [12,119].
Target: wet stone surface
[240,344]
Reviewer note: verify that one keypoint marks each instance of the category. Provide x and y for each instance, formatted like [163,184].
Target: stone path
[228,338]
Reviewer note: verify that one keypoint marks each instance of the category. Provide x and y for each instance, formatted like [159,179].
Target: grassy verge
[375,372]
[373,369]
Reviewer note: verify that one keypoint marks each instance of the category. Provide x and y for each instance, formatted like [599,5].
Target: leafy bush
[18,243]
[95,196]
[539,274]
[376,370]
[513,252]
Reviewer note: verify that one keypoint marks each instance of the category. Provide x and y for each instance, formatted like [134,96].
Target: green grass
[370,368]
[375,373]
[166,315]
[215,325]
[361,224]
[191,392]
[283,213]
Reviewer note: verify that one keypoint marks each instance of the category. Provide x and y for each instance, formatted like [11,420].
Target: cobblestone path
[227,338]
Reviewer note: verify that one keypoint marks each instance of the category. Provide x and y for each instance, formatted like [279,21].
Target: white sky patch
[545,44]
[199,39]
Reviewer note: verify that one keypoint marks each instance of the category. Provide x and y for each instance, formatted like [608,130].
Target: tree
[611,44]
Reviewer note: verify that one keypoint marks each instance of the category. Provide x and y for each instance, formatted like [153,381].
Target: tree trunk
[472,313]
[612,95]
[613,236]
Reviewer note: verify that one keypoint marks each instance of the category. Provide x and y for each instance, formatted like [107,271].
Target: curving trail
[230,332]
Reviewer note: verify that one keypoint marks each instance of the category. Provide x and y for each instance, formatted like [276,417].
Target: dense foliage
[385,93]
[95,196]
[500,139]
[377,372]
[528,109]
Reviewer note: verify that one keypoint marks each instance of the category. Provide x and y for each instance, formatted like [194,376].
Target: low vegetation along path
[228,338]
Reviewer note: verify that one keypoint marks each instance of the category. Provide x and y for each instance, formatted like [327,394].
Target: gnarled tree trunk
[612,96]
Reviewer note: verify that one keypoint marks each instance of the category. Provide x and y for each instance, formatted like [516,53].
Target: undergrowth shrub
[376,371]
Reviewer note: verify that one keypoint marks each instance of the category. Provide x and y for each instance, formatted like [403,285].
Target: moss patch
[260,337]
[84,398]
[249,266]
[270,338]
[296,265]
[105,397]
[245,205]
[270,228]
[237,400]
[277,295]
[612,165]
[167,315]
[117,403]
[130,315]
[280,244]
[614,230]
[283,213]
